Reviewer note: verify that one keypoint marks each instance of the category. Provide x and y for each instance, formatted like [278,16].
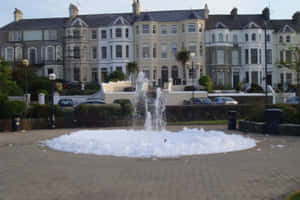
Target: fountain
[152,112]
[154,140]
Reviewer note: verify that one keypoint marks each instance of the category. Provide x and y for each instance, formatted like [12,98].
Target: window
[174,29]
[95,74]
[137,29]
[259,37]
[260,60]
[85,53]
[154,51]
[220,57]
[246,37]
[127,51]
[246,56]
[118,33]
[76,52]
[94,34]
[50,71]
[76,74]
[200,28]
[281,78]
[119,51]
[50,53]
[163,51]
[94,52]
[268,38]
[269,56]
[288,39]
[163,30]
[137,49]
[220,78]
[227,37]
[32,56]
[235,57]
[104,52]
[192,73]
[146,29]
[174,50]
[76,34]
[119,68]
[50,35]
[59,53]
[193,48]
[110,33]
[15,36]
[19,53]
[183,28]
[254,56]
[146,51]
[192,28]
[253,37]
[281,56]
[289,78]
[213,38]
[33,35]
[103,34]
[201,49]
[85,34]
[288,56]
[154,29]
[280,38]
[220,37]
[9,54]
[235,39]
[111,52]
[127,33]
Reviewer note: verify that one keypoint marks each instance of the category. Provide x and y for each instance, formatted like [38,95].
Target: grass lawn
[295,196]
[210,122]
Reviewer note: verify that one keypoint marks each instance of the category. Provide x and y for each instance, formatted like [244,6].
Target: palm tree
[132,69]
[182,57]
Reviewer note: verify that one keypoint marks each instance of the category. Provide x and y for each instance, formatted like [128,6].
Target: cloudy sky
[59,8]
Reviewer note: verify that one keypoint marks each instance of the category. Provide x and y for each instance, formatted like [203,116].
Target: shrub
[256,113]
[206,82]
[9,108]
[38,111]
[255,89]
[98,112]
[117,76]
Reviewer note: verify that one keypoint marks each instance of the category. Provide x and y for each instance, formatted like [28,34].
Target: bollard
[272,121]
[232,120]
[16,123]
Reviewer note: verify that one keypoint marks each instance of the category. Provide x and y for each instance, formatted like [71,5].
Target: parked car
[66,103]
[225,101]
[197,101]
[293,100]
[91,102]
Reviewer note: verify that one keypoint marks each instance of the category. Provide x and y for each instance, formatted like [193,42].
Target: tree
[117,76]
[293,62]
[206,82]
[7,85]
[183,57]
[132,69]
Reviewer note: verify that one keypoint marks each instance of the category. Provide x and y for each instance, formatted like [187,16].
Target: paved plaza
[28,170]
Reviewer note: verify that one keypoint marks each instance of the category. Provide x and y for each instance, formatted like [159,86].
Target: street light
[25,63]
[266,65]
[52,78]
[192,54]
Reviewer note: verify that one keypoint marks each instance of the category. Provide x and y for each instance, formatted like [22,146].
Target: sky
[59,8]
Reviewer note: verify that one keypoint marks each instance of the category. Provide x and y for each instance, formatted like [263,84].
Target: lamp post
[52,78]
[25,63]
[192,54]
[266,66]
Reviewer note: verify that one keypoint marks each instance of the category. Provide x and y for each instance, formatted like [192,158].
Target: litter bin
[232,120]
[272,121]
[16,123]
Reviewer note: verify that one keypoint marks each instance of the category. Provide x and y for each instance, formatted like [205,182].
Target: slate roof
[240,21]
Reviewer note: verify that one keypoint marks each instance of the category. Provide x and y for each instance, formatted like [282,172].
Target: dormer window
[76,34]
[220,37]
[192,28]
[288,39]
[253,37]
[118,33]
[235,39]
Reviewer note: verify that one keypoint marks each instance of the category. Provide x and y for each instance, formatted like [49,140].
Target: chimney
[136,7]
[206,11]
[18,15]
[234,12]
[266,14]
[73,10]
[296,18]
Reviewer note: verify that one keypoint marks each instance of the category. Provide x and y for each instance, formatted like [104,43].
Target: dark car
[197,101]
[293,100]
[225,101]
[91,102]
[66,103]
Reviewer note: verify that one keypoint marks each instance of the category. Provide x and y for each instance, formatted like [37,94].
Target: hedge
[9,108]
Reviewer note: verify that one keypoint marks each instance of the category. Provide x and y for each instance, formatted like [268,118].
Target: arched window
[19,53]
[213,38]
[253,37]
[220,37]
[59,53]
[50,53]
[235,39]
[246,37]
[227,37]
[288,39]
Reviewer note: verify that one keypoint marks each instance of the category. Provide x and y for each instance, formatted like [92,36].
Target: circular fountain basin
[147,144]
